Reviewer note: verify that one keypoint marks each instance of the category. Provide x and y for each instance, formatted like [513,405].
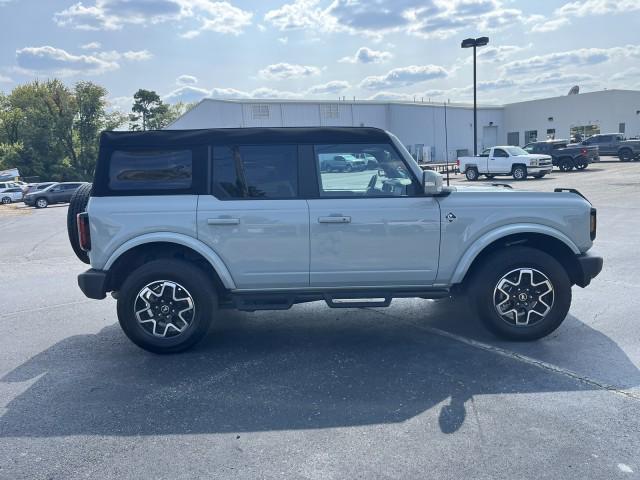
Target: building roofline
[304,101]
[460,105]
[596,92]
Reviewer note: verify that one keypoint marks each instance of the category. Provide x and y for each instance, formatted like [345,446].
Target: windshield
[516,151]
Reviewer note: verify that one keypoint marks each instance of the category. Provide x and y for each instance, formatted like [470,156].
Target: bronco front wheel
[165,306]
[521,293]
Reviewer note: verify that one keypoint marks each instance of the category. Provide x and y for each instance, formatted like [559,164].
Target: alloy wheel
[164,308]
[523,297]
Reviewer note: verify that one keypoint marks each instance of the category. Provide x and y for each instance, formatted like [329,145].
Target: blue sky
[376,49]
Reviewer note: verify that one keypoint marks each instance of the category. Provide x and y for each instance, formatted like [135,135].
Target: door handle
[223,221]
[334,219]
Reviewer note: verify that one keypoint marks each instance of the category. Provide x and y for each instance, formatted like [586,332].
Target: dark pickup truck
[615,144]
[566,156]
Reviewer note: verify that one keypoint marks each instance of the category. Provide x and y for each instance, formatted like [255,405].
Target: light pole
[468,43]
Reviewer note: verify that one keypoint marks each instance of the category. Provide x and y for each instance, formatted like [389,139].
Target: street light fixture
[468,43]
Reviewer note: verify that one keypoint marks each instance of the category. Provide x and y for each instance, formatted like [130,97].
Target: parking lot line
[48,307]
[487,347]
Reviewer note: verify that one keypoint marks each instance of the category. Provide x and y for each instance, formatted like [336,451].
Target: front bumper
[588,267]
[543,169]
[29,201]
[93,283]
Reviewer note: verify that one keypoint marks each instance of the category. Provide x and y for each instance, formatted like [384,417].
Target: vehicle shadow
[306,368]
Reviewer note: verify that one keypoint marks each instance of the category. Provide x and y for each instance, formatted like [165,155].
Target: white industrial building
[421,126]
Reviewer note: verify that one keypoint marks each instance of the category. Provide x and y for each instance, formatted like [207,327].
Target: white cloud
[187,94]
[220,17]
[632,73]
[138,55]
[91,46]
[404,76]
[191,93]
[132,55]
[572,58]
[122,104]
[283,40]
[544,25]
[56,61]
[301,14]
[583,8]
[367,55]
[333,87]
[281,71]
[186,80]
[265,92]
[391,96]
[4,79]
[498,54]
[425,18]
[50,60]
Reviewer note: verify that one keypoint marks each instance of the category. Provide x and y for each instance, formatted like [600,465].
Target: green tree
[88,122]
[173,111]
[148,108]
[53,130]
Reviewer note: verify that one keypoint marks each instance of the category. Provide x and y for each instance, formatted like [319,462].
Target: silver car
[181,225]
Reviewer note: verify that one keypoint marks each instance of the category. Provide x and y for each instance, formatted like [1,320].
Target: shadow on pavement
[306,368]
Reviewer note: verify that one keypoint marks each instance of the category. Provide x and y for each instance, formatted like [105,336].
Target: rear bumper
[93,283]
[588,268]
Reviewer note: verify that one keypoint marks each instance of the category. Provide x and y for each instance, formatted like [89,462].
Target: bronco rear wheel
[165,306]
[521,293]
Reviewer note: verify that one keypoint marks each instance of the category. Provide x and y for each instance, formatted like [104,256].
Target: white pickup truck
[505,160]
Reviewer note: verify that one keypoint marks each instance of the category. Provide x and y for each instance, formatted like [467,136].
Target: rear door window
[151,170]
[255,172]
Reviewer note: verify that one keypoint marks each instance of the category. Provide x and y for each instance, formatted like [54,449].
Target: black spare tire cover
[77,204]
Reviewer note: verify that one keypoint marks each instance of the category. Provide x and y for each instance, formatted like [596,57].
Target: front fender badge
[451,217]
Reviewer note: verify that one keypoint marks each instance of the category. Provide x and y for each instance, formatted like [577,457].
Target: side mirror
[432,182]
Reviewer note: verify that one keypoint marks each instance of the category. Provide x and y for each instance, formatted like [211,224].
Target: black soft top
[222,136]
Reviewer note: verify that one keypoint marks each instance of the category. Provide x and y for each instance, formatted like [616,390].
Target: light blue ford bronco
[180,225]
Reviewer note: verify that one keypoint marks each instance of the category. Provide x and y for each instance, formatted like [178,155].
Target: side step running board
[348,301]
[250,302]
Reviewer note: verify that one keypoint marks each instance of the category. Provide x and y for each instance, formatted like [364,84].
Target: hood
[538,156]
[482,188]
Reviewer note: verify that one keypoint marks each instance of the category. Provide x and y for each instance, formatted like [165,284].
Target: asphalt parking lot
[417,390]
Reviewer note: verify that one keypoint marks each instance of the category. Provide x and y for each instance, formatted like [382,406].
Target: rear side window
[255,171]
[151,170]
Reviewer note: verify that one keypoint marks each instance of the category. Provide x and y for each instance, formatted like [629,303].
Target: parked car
[9,184]
[33,187]
[565,156]
[177,252]
[615,144]
[505,160]
[10,195]
[341,162]
[56,193]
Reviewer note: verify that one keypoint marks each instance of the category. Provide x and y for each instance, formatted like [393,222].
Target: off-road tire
[494,267]
[625,155]
[565,164]
[196,283]
[77,204]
